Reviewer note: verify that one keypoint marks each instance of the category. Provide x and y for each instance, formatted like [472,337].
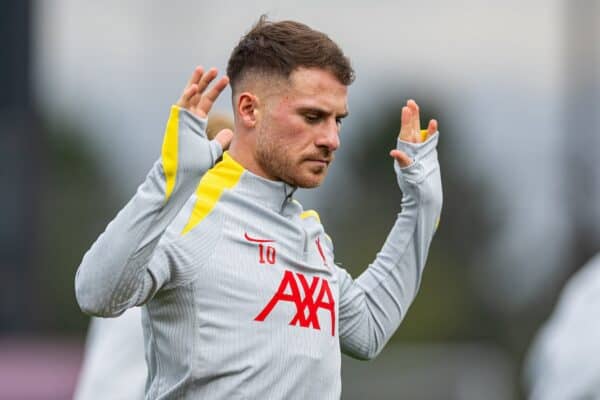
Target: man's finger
[217,88]
[207,78]
[196,75]
[187,95]
[210,97]
[432,127]
[400,156]
[405,125]
[416,120]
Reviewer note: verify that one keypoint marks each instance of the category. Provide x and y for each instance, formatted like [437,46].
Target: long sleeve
[113,274]
[372,307]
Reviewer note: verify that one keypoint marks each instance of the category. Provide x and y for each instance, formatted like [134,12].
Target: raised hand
[410,131]
[199,99]
[195,97]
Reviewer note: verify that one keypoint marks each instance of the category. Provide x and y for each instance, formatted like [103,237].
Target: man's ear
[248,109]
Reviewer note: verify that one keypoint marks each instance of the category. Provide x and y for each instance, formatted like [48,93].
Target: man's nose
[329,137]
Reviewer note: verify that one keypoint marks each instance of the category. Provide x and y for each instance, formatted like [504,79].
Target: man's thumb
[224,137]
[400,156]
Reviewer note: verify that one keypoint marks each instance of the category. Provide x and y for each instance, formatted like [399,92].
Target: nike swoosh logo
[255,240]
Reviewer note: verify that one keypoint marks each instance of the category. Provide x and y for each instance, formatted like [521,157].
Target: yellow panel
[224,175]
[169,151]
[423,134]
[310,213]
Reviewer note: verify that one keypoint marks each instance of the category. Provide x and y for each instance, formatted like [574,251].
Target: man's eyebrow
[322,111]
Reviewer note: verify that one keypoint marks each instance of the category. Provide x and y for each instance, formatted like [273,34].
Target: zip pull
[305,243]
[288,196]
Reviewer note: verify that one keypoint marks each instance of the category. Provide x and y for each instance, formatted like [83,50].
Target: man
[564,360]
[242,297]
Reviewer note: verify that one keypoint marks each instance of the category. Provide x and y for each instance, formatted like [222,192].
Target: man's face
[300,126]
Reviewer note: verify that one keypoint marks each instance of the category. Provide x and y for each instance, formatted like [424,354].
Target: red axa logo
[316,295]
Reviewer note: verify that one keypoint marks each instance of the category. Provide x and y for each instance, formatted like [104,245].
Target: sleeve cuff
[419,151]
[192,121]
[424,157]
[216,150]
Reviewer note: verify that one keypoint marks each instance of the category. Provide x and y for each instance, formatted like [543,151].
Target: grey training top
[243,297]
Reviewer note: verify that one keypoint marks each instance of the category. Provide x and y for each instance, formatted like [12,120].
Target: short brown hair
[279,48]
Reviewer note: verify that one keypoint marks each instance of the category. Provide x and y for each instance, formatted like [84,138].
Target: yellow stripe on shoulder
[224,175]
[310,213]
[169,151]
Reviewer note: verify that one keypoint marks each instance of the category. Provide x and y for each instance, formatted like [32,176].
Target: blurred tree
[19,167]
[77,201]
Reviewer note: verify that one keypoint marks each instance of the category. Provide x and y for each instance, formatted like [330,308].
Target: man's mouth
[322,161]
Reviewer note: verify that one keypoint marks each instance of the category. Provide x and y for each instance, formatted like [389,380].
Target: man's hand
[198,100]
[410,131]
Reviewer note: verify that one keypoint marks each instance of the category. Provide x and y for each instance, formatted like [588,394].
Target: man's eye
[338,121]
[312,118]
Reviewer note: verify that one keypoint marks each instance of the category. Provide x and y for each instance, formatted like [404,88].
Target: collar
[276,195]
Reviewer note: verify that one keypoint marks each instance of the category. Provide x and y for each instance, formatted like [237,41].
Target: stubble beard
[275,159]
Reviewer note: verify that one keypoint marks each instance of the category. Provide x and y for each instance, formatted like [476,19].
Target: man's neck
[243,154]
